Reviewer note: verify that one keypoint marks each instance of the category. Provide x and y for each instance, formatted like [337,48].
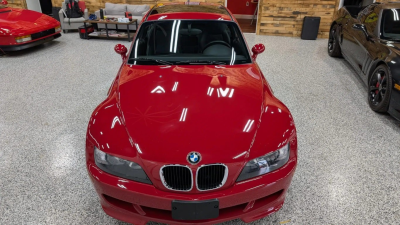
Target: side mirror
[358,26]
[122,50]
[361,27]
[257,49]
[4,2]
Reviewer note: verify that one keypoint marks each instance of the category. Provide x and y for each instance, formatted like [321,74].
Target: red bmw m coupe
[190,131]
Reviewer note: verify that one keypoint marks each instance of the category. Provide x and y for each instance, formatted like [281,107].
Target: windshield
[177,42]
[390,24]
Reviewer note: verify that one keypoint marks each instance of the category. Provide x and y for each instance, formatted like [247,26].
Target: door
[349,44]
[352,39]
[366,39]
[34,5]
[46,6]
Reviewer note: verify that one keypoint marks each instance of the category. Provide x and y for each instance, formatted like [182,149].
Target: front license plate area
[195,210]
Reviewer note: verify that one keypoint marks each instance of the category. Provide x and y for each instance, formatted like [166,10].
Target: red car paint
[16,22]
[141,121]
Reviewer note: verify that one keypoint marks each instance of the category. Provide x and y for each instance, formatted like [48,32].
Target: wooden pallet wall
[285,17]
[94,5]
[16,3]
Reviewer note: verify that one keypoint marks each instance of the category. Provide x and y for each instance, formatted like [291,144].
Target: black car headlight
[120,167]
[265,164]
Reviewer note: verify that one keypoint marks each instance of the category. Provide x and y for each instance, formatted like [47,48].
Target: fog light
[23,39]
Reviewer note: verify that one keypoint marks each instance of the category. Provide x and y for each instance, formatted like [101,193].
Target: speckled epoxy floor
[348,170]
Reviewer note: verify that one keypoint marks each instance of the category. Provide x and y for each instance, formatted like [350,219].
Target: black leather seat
[217,32]
[159,42]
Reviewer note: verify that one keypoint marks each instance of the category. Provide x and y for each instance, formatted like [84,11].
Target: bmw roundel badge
[194,157]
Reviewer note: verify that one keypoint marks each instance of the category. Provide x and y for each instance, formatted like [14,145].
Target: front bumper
[139,203]
[18,47]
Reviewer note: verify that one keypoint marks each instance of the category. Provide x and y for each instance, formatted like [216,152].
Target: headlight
[58,29]
[23,38]
[120,167]
[265,164]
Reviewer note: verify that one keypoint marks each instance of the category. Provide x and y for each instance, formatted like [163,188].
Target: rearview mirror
[122,50]
[257,49]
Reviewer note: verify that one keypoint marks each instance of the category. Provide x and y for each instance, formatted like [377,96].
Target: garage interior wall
[276,17]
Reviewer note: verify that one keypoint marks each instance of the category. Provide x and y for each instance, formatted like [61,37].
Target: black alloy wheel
[333,43]
[379,89]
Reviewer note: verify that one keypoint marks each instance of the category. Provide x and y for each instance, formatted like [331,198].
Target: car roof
[199,11]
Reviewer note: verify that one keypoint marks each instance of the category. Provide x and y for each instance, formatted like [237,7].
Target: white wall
[34,5]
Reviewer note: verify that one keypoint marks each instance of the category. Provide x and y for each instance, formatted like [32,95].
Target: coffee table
[134,21]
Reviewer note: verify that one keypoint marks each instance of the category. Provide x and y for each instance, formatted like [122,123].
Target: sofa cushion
[115,16]
[137,10]
[74,20]
[115,9]
[139,18]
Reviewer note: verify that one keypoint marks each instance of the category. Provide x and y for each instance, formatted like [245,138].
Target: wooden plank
[285,17]
[17,4]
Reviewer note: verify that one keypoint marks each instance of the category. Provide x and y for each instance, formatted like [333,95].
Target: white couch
[118,11]
[73,23]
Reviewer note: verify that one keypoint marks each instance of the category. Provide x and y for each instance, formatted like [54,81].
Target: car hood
[170,111]
[21,21]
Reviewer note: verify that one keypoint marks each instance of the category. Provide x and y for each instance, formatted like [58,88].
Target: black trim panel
[9,48]
[195,210]
[44,33]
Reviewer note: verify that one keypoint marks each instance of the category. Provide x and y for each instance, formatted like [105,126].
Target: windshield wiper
[154,60]
[201,62]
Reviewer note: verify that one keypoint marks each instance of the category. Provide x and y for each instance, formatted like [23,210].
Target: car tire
[333,43]
[380,89]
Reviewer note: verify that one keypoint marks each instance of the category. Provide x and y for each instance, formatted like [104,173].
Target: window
[359,3]
[390,28]
[189,42]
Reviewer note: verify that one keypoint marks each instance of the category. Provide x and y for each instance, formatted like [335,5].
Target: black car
[368,37]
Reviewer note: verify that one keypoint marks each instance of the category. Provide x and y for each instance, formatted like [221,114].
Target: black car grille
[43,33]
[177,177]
[211,177]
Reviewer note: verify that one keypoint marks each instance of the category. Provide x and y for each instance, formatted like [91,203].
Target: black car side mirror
[358,26]
[361,27]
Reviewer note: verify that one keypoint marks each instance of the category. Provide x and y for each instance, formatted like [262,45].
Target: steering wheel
[218,42]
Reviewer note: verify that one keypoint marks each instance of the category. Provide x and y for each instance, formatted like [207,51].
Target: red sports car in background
[190,131]
[21,28]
